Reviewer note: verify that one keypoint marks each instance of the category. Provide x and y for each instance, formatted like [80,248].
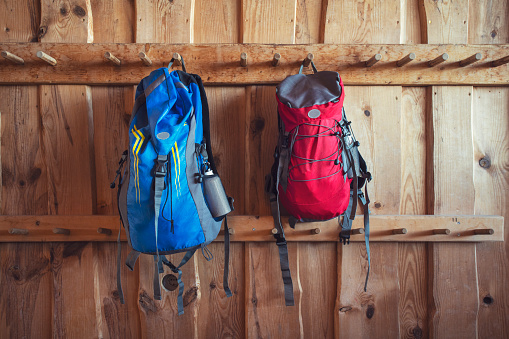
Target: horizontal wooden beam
[220,64]
[385,228]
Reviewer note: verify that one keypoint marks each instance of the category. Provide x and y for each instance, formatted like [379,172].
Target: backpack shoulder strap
[280,235]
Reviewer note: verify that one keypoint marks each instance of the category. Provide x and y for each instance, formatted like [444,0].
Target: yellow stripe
[135,161]
[142,137]
[175,162]
[178,157]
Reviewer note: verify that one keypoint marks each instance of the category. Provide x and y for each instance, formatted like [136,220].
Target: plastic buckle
[280,240]
[161,165]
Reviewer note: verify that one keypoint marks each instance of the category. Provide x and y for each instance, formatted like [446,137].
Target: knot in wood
[488,299]
[370,312]
[485,162]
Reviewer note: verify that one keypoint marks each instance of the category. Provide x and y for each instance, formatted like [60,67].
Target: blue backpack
[170,198]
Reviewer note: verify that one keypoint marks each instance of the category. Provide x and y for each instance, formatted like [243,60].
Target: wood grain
[115,320]
[164,21]
[227,128]
[20,20]
[490,107]
[66,134]
[112,108]
[487,22]
[412,266]
[410,22]
[24,173]
[318,279]
[452,267]
[216,22]
[219,316]
[219,63]
[376,123]
[444,22]
[114,21]
[309,24]
[160,318]
[65,119]
[25,268]
[26,290]
[266,313]
[261,138]
[62,21]
[268,21]
[373,21]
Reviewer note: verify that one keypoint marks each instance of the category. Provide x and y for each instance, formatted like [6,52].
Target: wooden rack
[240,64]
[384,228]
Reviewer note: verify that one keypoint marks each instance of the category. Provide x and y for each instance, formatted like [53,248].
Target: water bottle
[215,196]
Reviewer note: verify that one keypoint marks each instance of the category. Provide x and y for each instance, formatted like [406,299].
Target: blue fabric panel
[165,114]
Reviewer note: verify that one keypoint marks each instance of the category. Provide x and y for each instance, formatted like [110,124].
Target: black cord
[169,192]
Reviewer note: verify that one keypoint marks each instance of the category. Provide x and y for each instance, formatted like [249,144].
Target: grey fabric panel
[209,226]
[301,90]
[154,84]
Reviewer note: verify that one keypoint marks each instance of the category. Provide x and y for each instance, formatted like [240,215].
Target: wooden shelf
[219,64]
[420,228]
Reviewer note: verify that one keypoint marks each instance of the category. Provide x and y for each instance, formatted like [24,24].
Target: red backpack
[318,172]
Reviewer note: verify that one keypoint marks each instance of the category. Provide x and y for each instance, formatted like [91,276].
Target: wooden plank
[318,280]
[266,313]
[220,63]
[220,316]
[25,279]
[26,290]
[65,118]
[255,228]
[115,320]
[227,126]
[261,138]
[160,318]
[67,132]
[309,23]
[113,21]
[62,21]
[24,173]
[445,22]
[491,142]
[452,268]
[490,107]
[268,21]
[216,22]
[112,108]
[412,266]
[164,21]
[486,22]
[20,20]
[363,22]
[410,22]
[376,125]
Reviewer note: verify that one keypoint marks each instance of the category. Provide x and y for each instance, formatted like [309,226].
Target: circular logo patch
[314,113]
[170,282]
[163,135]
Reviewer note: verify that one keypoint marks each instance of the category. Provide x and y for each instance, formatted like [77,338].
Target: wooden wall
[60,146]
